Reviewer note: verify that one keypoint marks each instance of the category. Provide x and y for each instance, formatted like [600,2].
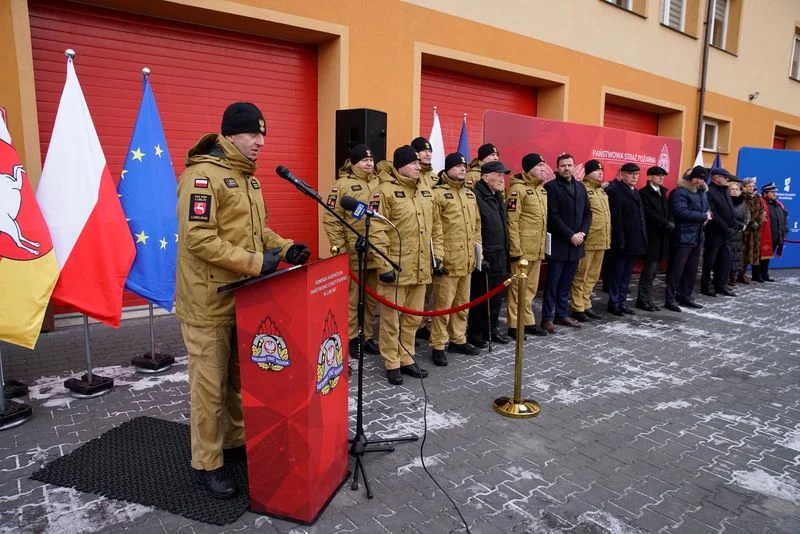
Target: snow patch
[607,521]
[760,481]
[791,441]
[674,404]
[417,463]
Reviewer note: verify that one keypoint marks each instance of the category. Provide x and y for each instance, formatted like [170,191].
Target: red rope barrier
[790,241]
[448,311]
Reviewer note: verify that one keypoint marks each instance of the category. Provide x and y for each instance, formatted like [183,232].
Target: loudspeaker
[356,127]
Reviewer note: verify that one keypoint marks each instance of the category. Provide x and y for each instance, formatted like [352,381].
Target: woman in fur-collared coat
[751,254]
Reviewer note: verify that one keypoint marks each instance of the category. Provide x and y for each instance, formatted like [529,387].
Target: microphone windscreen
[282,171]
[349,203]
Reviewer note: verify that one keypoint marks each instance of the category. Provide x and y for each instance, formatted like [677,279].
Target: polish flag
[93,245]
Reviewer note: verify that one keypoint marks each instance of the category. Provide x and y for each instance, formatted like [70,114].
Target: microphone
[359,209]
[287,175]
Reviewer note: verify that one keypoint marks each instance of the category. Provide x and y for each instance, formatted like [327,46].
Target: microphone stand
[360,443]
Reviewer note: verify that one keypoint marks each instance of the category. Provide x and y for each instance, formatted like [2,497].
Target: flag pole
[151,362]
[12,414]
[90,385]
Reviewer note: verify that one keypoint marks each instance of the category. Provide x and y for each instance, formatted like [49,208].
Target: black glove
[297,254]
[485,266]
[439,269]
[387,277]
[271,260]
[670,226]
[514,259]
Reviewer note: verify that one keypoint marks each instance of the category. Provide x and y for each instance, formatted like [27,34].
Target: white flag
[698,161]
[437,144]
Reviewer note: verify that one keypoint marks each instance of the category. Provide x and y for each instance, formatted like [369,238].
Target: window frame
[794,64]
[627,4]
[725,20]
[716,125]
[665,15]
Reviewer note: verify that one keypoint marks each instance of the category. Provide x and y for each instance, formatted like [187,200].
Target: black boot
[765,271]
[218,482]
[438,357]
[756,274]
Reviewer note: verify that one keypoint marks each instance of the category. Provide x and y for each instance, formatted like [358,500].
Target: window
[624,4]
[795,72]
[674,14]
[719,29]
[710,135]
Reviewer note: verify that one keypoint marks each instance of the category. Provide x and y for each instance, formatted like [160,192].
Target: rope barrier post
[517,407]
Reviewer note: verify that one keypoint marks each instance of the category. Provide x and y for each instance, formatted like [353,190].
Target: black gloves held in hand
[271,260]
[514,259]
[439,269]
[485,266]
[297,254]
[387,277]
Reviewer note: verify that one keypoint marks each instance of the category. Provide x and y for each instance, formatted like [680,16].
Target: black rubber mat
[147,461]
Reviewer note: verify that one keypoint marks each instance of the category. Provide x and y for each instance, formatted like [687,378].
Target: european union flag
[147,190]
[463,140]
[716,164]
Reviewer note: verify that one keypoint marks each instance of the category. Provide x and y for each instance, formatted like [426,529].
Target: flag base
[82,389]
[14,388]
[15,414]
[149,363]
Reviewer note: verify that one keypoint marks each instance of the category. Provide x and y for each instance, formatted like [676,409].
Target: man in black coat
[660,225]
[628,236]
[569,217]
[494,238]
[719,231]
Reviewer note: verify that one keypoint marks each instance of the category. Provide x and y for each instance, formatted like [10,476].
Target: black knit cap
[590,166]
[629,167]
[359,152]
[494,166]
[486,150]
[403,156]
[454,159]
[530,161]
[656,171]
[243,117]
[420,144]
[698,172]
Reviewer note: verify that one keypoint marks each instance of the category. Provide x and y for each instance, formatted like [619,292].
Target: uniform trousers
[531,285]
[585,279]
[215,392]
[449,291]
[560,275]
[397,334]
[369,306]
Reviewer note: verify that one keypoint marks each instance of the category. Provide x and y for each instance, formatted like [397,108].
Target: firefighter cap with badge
[243,117]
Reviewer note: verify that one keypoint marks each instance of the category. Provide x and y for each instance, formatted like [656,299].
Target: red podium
[292,336]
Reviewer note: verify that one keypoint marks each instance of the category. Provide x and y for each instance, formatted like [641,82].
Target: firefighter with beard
[456,237]
[358,180]
[408,203]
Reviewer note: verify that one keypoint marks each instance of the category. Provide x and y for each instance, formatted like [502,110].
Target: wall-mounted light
[752,96]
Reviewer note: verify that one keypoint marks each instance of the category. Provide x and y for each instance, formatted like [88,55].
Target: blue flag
[463,141]
[716,164]
[148,192]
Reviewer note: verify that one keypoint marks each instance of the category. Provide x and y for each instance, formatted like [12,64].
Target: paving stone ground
[659,422]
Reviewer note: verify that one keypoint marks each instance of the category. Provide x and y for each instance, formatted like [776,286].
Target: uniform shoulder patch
[231,183]
[511,205]
[255,183]
[448,195]
[202,183]
[529,191]
[426,193]
[199,207]
[469,183]
[470,195]
[334,189]
[375,203]
[400,194]
[355,187]
[376,194]
[332,198]
[513,193]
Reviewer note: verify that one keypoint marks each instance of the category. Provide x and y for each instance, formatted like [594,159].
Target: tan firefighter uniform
[458,232]
[526,207]
[355,183]
[222,235]
[410,207]
[473,172]
[596,244]
[428,177]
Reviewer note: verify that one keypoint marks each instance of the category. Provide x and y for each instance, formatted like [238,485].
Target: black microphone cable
[424,391]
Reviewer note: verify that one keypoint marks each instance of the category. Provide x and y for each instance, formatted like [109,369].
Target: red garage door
[634,120]
[779,142]
[196,73]
[454,94]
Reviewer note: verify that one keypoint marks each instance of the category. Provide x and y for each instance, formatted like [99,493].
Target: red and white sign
[517,135]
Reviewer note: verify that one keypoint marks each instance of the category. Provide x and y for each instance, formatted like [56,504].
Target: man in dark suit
[660,225]
[628,236]
[568,219]
[719,231]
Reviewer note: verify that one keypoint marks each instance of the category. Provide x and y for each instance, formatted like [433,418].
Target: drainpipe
[704,73]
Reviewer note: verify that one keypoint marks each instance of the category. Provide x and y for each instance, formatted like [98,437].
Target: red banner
[292,334]
[517,135]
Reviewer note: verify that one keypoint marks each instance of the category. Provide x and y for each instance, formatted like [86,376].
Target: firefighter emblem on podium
[330,359]
[268,349]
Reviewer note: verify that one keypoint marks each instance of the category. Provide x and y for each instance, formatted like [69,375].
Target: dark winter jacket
[628,227]
[721,227]
[568,212]
[689,208]
[494,233]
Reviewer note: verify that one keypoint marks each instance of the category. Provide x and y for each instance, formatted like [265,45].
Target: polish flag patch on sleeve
[201,182]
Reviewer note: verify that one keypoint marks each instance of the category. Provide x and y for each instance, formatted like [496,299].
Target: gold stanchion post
[517,407]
